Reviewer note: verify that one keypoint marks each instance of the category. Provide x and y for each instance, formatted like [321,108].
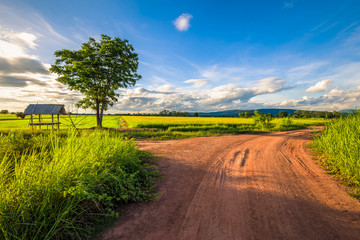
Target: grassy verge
[339,146]
[56,186]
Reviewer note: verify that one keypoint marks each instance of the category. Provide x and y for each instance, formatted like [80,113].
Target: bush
[262,120]
[285,124]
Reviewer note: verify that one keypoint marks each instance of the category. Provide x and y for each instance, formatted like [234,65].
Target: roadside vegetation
[57,186]
[339,145]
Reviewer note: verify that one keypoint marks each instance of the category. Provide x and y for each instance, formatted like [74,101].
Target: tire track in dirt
[241,187]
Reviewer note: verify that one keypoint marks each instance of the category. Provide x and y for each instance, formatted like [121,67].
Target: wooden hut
[45,109]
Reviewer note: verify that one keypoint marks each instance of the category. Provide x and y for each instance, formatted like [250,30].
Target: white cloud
[50,29]
[348,74]
[352,42]
[336,99]
[182,23]
[320,86]
[225,96]
[23,77]
[28,39]
[234,74]
[159,80]
[289,4]
[229,93]
[271,84]
[305,70]
[165,88]
[215,72]
[16,44]
[197,83]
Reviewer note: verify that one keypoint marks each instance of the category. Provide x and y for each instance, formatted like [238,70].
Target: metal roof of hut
[45,109]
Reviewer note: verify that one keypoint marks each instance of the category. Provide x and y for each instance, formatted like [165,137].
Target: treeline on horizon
[241,114]
[249,114]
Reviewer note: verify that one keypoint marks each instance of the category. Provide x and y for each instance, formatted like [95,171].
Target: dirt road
[241,187]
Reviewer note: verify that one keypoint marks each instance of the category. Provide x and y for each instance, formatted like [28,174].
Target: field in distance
[182,124]
[171,122]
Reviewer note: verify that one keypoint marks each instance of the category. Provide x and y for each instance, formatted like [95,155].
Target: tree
[297,114]
[4,111]
[283,114]
[247,114]
[97,70]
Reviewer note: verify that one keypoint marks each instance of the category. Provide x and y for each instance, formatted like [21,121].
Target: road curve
[263,186]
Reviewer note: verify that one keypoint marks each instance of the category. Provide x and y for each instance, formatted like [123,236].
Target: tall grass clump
[340,145]
[54,187]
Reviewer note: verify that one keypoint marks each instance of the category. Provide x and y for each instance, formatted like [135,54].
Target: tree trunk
[98,120]
[102,112]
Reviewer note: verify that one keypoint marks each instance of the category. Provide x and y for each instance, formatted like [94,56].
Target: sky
[194,56]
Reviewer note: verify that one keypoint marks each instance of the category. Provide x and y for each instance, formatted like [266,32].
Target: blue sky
[194,55]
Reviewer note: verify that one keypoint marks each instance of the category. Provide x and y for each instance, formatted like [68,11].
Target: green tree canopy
[4,112]
[97,70]
[283,114]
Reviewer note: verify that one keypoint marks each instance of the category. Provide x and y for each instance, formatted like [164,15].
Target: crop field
[206,122]
[165,122]
[10,121]
[159,127]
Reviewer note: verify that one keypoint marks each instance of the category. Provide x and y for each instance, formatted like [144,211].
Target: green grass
[57,186]
[305,121]
[339,145]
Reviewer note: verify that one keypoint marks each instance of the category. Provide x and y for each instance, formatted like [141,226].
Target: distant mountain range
[273,111]
[347,111]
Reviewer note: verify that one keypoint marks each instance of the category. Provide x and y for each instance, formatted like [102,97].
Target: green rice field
[81,121]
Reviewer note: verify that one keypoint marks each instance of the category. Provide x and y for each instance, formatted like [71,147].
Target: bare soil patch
[263,186]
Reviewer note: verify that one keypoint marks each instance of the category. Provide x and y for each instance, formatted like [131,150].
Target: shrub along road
[261,186]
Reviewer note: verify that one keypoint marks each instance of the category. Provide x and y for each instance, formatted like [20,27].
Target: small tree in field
[20,115]
[97,70]
[262,120]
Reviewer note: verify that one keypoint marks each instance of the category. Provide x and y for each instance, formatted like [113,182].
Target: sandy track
[241,187]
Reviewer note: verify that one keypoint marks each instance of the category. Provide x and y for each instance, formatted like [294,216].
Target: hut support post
[39,121]
[31,120]
[52,121]
[58,123]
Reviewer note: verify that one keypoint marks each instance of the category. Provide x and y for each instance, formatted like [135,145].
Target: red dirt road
[241,187]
